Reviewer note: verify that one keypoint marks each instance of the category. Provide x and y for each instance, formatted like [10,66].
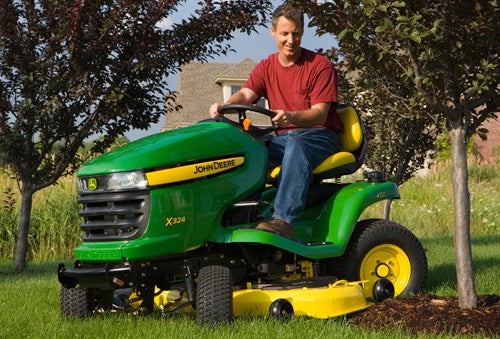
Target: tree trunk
[24,225]
[466,286]
[386,209]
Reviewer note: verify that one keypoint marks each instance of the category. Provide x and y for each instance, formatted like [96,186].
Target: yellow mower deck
[336,299]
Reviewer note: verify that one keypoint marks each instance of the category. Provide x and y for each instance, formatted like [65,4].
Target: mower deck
[337,299]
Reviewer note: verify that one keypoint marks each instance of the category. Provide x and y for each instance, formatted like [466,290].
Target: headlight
[112,182]
[126,181]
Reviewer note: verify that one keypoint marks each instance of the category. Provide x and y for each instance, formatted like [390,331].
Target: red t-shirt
[311,80]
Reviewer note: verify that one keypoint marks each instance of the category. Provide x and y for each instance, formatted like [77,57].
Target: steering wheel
[242,118]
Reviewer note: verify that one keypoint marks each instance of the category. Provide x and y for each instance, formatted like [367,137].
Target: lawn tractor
[169,226]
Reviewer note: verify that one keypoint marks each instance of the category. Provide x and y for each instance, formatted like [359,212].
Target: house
[202,84]
[489,150]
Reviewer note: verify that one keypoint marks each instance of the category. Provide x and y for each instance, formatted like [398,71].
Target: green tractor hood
[202,141]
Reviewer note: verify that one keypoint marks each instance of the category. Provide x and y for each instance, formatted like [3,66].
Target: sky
[256,46]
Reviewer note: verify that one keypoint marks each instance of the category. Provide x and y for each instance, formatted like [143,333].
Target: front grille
[114,216]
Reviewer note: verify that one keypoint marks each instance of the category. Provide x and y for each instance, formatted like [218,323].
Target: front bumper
[102,277]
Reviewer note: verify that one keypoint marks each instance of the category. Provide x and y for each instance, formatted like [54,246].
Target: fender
[343,210]
[329,234]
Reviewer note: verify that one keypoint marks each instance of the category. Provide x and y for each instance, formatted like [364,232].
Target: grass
[33,312]
[426,204]
[30,300]
[442,274]
[30,304]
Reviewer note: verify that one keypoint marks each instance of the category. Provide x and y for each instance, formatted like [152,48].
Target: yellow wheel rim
[387,261]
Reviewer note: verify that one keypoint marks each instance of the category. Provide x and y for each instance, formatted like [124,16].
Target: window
[229,89]
[235,88]
[262,103]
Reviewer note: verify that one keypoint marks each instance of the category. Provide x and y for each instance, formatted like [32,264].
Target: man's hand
[316,115]
[281,119]
[214,110]
[244,96]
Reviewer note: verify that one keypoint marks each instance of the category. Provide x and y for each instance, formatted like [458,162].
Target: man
[301,88]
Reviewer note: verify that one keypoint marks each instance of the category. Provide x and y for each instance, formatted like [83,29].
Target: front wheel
[382,249]
[214,295]
[83,302]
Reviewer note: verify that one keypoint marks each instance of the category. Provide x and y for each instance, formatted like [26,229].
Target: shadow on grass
[440,251]
[45,268]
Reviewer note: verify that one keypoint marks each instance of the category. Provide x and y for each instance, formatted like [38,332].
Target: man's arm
[244,96]
[316,115]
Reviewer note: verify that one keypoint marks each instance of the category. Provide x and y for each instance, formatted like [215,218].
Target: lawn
[30,305]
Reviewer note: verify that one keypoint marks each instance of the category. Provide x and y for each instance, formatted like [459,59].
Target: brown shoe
[277,226]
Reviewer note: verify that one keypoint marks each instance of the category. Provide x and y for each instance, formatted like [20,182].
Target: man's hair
[289,12]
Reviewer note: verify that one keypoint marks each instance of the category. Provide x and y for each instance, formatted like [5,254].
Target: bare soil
[429,314]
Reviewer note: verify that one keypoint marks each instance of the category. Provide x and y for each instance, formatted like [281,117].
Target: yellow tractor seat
[352,149]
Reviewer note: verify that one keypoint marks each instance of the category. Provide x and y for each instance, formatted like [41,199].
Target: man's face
[288,36]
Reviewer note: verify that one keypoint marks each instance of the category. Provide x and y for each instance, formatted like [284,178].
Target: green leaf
[398,4]
[402,34]
[415,36]
[388,23]
[402,18]
[415,19]
[437,23]
[342,34]
[382,8]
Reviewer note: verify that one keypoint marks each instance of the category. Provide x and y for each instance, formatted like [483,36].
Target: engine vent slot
[114,216]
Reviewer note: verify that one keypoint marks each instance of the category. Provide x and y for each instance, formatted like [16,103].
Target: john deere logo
[92,184]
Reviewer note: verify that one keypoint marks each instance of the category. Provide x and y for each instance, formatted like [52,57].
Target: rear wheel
[214,295]
[382,249]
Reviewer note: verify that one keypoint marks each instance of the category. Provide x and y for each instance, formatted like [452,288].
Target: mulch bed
[425,313]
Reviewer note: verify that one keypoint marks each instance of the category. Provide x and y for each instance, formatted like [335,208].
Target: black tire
[76,302]
[382,249]
[83,302]
[281,309]
[214,296]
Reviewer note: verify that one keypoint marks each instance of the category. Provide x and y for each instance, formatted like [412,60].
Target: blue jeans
[299,152]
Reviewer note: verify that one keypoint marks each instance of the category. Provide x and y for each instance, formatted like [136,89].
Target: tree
[72,70]
[444,52]
[400,132]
